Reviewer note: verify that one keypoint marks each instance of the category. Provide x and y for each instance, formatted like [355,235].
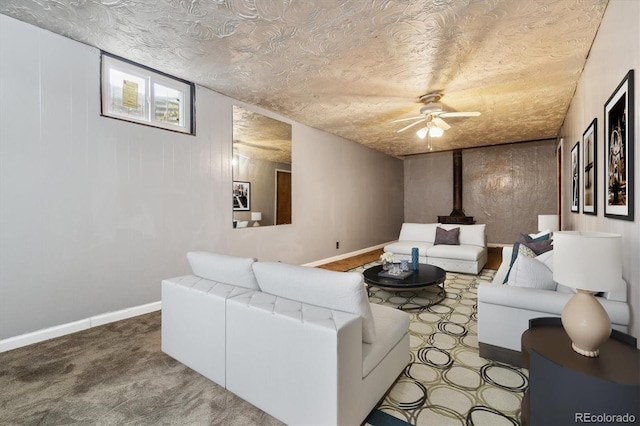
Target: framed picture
[590,168]
[618,151]
[575,178]
[241,195]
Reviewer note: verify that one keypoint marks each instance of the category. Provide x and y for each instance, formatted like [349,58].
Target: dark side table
[567,388]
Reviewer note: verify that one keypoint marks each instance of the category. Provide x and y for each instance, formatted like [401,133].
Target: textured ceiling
[350,67]
[259,137]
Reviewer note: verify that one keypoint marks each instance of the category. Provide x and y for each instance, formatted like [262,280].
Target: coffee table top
[425,276]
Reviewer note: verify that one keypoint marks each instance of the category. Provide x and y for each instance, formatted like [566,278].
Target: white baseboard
[345,255]
[73,327]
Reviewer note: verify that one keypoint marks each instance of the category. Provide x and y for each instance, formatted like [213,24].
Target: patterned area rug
[446,381]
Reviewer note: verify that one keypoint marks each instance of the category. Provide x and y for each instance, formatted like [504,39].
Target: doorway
[283,197]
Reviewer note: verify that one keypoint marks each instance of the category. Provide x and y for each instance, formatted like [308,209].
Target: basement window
[135,93]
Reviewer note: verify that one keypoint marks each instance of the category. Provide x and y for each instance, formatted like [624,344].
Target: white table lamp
[256,217]
[548,221]
[589,262]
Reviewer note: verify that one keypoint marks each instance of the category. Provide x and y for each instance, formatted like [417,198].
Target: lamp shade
[256,216]
[422,133]
[435,132]
[548,221]
[589,261]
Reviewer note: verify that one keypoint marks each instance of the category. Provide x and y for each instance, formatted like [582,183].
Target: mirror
[261,170]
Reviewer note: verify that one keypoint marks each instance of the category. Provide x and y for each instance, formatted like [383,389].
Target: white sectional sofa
[302,344]
[469,256]
[504,310]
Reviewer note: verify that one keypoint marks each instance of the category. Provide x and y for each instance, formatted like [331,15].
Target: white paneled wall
[94,211]
[615,51]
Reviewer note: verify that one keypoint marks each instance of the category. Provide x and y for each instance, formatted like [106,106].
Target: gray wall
[505,187]
[95,212]
[428,186]
[615,51]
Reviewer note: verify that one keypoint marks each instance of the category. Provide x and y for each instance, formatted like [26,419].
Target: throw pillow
[450,237]
[547,259]
[540,245]
[531,273]
[542,235]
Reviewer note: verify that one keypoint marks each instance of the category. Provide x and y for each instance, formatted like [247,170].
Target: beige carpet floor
[115,374]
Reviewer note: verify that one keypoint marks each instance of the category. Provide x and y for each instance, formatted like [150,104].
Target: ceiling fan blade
[460,114]
[405,119]
[410,125]
[439,122]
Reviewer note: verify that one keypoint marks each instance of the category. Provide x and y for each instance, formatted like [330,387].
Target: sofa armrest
[544,301]
[193,323]
[619,294]
[532,299]
[300,363]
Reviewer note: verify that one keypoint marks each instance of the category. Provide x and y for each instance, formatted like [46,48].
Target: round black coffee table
[425,276]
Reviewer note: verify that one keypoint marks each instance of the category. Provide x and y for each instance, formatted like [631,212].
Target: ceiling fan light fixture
[432,108]
[422,133]
[435,132]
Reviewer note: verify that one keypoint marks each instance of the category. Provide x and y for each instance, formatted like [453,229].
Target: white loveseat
[504,310]
[469,256]
[302,344]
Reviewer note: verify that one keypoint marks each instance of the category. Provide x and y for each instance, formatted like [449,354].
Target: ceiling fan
[431,115]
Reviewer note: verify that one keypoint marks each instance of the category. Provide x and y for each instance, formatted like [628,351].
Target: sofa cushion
[404,247]
[449,237]
[391,326]
[473,235]
[224,269]
[425,232]
[471,253]
[343,291]
[532,273]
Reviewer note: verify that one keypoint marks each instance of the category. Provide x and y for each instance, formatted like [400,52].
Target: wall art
[618,151]
[241,195]
[590,168]
[575,178]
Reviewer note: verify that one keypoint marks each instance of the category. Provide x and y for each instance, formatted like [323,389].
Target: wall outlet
[337,245]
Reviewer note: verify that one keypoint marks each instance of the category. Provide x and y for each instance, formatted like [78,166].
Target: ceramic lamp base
[586,322]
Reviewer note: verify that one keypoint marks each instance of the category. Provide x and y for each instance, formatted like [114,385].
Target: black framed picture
[590,168]
[575,178]
[241,195]
[618,151]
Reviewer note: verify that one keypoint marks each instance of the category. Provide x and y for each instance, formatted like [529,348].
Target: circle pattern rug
[446,381]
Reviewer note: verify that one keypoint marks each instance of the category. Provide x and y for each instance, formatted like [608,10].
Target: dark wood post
[457,184]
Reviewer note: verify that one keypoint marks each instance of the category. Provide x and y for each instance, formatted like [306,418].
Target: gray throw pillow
[450,237]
